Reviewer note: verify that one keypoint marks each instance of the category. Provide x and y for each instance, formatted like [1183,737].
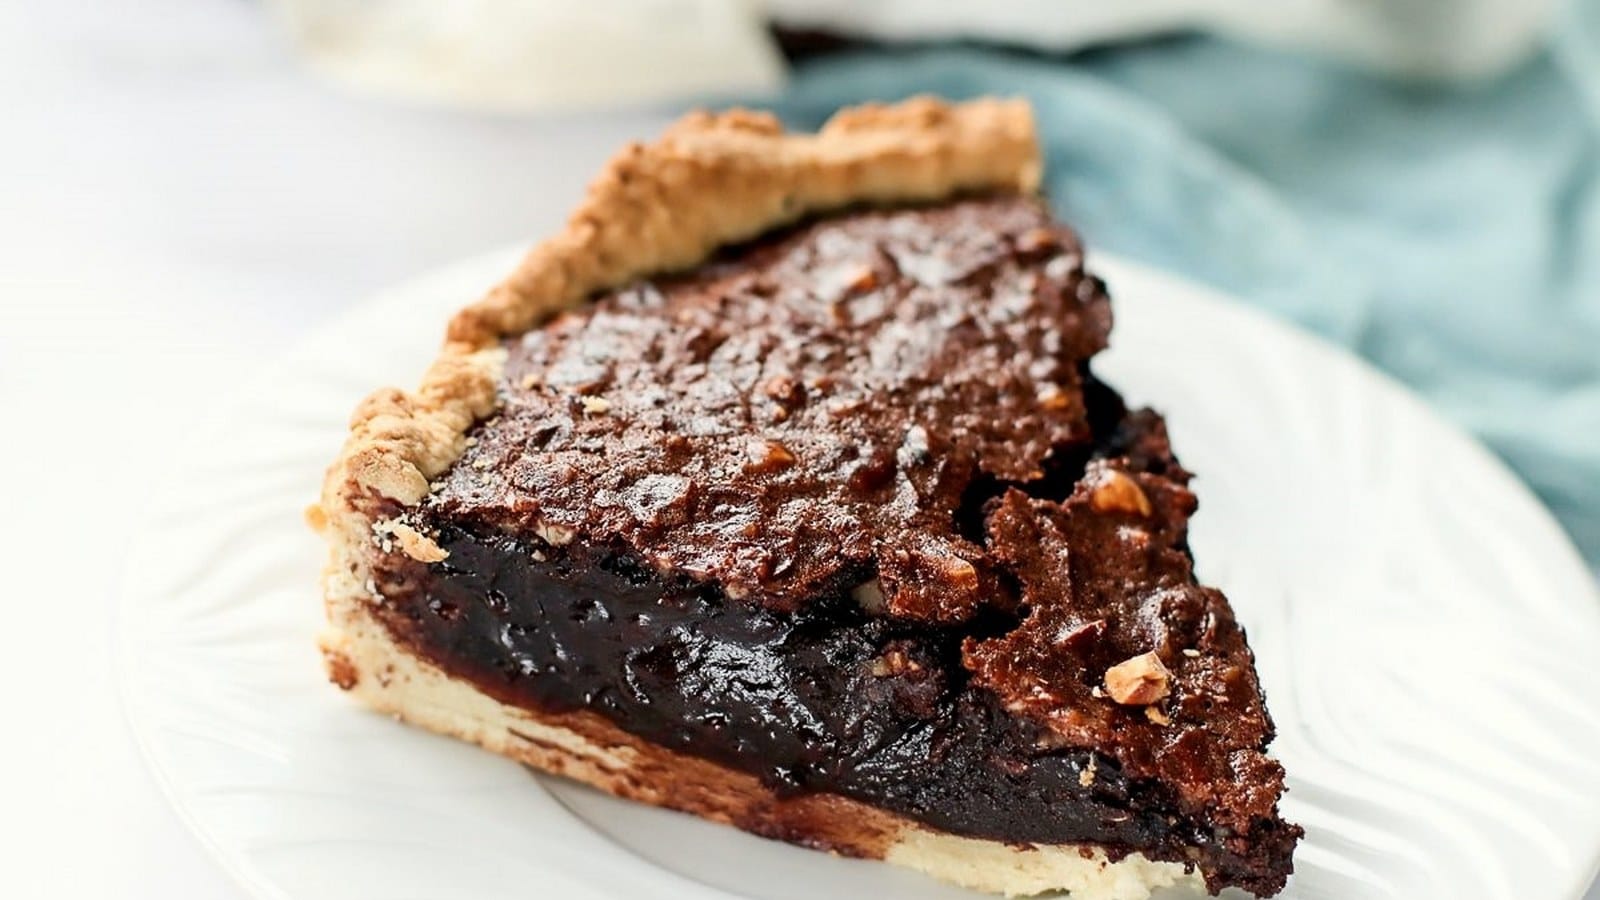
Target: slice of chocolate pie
[777,489]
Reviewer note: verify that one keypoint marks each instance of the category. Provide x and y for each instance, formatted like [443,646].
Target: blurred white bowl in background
[515,55]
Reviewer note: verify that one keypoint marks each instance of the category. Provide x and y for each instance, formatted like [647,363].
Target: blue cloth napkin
[1449,234]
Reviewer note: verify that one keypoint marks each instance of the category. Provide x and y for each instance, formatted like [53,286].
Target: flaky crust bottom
[364,659]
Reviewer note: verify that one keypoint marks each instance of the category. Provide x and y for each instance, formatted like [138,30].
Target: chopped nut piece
[1035,239]
[529,381]
[1117,492]
[553,534]
[595,406]
[1053,398]
[1191,652]
[1154,714]
[1086,777]
[894,661]
[857,279]
[869,596]
[481,463]
[784,389]
[417,545]
[957,572]
[1138,681]
[929,580]
[769,456]
[866,279]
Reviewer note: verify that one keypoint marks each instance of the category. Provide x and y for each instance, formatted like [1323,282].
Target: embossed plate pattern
[1425,633]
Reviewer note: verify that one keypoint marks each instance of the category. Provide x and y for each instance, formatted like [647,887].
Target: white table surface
[180,202]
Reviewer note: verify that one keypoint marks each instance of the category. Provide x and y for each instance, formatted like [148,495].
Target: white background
[179,202]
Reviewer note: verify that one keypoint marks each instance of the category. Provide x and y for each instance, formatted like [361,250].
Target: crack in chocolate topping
[890,410]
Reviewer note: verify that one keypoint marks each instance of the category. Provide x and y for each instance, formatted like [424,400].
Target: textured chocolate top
[1106,577]
[893,404]
[810,412]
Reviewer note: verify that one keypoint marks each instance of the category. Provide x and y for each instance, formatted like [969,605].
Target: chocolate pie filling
[844,510]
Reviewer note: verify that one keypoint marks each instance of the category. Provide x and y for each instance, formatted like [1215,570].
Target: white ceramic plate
[1425,632]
